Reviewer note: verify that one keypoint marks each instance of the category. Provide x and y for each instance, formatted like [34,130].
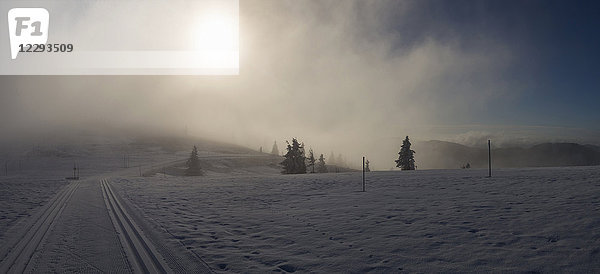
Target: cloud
[335,74]
[521,136]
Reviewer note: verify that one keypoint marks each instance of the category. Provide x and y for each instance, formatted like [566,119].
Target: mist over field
[351,77]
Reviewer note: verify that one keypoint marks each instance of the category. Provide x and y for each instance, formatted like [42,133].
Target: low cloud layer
[336,74]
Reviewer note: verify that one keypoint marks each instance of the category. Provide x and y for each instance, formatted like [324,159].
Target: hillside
[440,154]
[148,156]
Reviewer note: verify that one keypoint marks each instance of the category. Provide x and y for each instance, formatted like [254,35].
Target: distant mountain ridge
[447,155]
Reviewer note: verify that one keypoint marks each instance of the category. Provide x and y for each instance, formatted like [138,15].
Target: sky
[555,48]
[354,77]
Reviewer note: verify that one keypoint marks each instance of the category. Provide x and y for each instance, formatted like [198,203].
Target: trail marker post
[363,173]
[489,158]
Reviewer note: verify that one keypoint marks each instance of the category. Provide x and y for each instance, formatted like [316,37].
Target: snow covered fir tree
[311,160]
[295,161]
[275,150]
[406,157]
[193,164]
[321,166]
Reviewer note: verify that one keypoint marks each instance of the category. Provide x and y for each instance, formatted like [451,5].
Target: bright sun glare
[216,32]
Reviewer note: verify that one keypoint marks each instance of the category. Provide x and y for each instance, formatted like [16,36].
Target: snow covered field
[531,220]
[243,216]
[18,198]
[36,175]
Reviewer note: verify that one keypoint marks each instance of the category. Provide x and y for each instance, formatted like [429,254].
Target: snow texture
[243,216]
[532,220]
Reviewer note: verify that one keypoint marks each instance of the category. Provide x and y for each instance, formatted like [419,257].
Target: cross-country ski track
[16,255]
[49,228]
[144,256]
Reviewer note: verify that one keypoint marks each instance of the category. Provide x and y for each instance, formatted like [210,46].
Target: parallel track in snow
[17,254]
[142,254]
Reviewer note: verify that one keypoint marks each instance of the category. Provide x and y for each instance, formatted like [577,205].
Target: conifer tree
[367,169]
[322,167]
[275,150]
[406,158]
[311,160]
[295,161]
[193,164]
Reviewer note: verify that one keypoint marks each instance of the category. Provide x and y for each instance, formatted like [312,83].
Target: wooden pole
[363,174]
[489,158]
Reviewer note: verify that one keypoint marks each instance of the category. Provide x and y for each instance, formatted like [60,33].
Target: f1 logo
[27,26]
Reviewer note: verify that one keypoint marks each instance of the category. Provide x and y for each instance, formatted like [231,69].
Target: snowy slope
[542,219]
[50,224]
[447,155]
[243,216]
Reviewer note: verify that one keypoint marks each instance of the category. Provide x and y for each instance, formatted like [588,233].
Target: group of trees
[296,162]
[318,163]
[313,164]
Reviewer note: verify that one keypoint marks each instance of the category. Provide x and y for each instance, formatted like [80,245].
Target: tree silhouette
[367,169]
[295,161]
[275,150]
[193,164]
[311,160]
[406,158]
[321,167]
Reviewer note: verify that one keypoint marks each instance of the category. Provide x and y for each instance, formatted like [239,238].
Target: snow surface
[243,216]
[83,238]
[20,197]
[534,220]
